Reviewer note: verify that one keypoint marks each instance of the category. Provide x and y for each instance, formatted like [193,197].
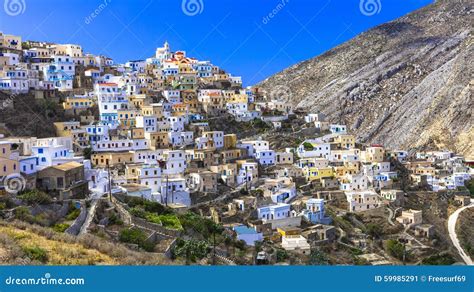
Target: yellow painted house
[345,141]
[127,117]
[341,171]
[315,173]
[373,154]
[289,231]
[111,158]
[78,103]
[8,158]
[230,141]
[235,97]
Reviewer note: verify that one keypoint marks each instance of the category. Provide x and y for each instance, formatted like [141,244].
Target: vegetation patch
[73,214]
[35,197]
[191,250]
[36,253]
[439,259]
[54,252]
[396,249]
[136,236]
[61,227]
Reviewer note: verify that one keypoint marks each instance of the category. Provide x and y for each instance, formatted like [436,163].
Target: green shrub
[61,227]
[153,218]
[395,248]
[35,197]
[308,146]
[136,236]
[148,206]
[438,259]
[114,219]
[137,211]
[22,213]
[191,250]
[171,221]
[198,224]
[374,230]
[36,253]
[73,215]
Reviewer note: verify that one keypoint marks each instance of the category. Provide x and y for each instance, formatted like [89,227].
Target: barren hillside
[406,83]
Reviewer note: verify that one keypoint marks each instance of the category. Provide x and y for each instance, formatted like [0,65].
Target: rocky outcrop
[405,84]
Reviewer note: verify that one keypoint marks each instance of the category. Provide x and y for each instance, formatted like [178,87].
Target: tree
[214,229]
[374,230]
[191,250]
[308,146]
[395,248]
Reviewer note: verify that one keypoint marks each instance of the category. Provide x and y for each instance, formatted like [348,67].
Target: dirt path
[452,233]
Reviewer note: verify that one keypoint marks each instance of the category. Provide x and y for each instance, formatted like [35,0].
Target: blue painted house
[248,234]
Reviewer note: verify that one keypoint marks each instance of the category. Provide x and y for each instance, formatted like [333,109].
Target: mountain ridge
[405,84]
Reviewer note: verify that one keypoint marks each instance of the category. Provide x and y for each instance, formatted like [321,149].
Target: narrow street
[90,216]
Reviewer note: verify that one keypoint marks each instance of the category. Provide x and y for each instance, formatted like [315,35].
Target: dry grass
[64,249]
[58,253]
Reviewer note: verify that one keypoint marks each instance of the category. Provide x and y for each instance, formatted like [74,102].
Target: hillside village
[172,155]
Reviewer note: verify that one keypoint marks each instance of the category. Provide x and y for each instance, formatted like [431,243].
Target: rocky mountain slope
[407,83]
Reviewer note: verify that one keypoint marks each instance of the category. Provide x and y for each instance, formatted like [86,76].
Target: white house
[338,129]
[175,162]
[265,157]
[110,99]
[311,118]
[313,148]
[247,172]
[148,123]
[355,182]
[54,151]
[274,212]
[362,200]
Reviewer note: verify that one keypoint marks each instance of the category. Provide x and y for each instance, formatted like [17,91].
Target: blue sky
[238,35]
